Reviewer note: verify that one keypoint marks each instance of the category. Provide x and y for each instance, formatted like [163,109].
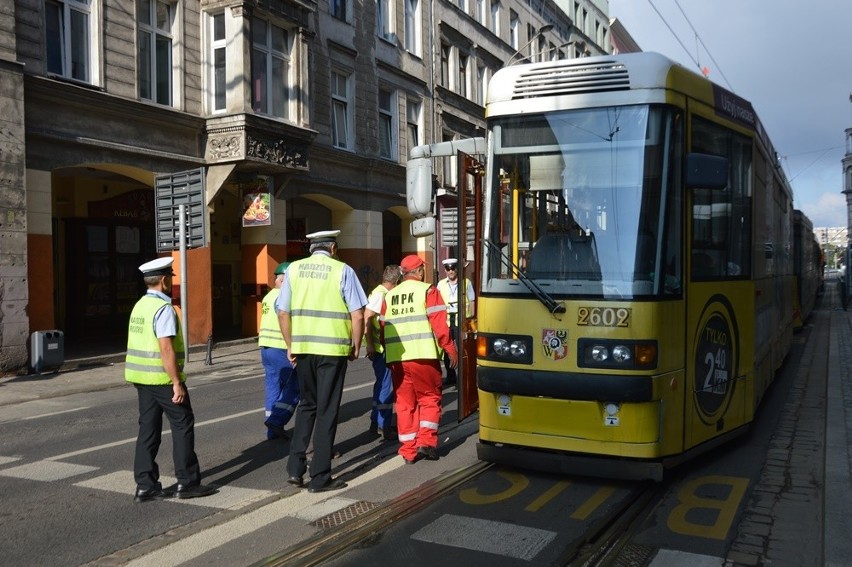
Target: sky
[791,59]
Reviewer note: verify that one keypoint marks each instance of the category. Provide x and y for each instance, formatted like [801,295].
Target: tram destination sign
[172,191]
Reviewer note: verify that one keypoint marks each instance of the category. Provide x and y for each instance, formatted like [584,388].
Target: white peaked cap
[323,236]
[158,267]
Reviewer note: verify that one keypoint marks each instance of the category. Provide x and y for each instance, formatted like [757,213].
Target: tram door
[718,338]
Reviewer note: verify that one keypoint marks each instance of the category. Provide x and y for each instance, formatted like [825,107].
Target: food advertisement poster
[257,203]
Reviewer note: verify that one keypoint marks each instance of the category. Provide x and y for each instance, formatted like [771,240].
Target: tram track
[602,544]
[333,542]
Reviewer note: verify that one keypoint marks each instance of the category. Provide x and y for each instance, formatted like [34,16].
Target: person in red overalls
[415,334]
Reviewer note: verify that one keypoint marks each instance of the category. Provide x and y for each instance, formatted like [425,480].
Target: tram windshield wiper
[541,295]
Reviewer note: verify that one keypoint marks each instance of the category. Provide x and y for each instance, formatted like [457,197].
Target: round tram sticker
[716,352]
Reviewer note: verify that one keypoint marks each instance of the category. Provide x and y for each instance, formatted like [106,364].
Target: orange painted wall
[258,263]
[40,282]
[199,294]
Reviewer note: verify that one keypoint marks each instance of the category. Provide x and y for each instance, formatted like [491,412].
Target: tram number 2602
[603,316]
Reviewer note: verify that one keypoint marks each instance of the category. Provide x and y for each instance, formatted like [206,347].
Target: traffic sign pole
[184,320]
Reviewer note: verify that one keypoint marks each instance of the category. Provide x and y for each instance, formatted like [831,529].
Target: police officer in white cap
[321,314]
[154,365]
[449,288]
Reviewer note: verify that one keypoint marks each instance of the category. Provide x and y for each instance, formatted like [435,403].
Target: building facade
[291,116]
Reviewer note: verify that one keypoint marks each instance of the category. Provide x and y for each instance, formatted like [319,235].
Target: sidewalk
[107,371]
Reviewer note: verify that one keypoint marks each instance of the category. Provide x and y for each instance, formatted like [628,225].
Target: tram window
[721,219]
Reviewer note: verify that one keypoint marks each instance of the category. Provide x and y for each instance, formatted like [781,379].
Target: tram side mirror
[418,186]
[706,171]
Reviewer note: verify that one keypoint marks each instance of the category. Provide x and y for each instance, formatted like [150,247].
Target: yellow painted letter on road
[518,482]
[723,508]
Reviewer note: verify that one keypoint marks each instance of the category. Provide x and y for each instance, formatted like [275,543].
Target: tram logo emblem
[555,343]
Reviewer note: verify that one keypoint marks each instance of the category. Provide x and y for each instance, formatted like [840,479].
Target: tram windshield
[585,203]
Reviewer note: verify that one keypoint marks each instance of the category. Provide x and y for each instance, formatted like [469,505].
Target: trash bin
[47,350]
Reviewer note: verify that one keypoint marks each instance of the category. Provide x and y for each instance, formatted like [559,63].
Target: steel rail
[333,542]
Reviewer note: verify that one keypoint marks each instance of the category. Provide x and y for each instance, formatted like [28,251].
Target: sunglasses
[452,267]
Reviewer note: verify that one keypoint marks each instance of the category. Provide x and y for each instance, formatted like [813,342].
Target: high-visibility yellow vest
[270,331]
[319,318]
[453,302]
[144,364]
[375,326]
[408,333]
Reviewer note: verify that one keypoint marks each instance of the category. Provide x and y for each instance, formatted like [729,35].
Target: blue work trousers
[282,386]
[382,412]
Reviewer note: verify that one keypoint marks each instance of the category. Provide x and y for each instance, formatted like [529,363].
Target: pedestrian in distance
[381,416]
[154,365]
[449,288]
[321,313]
[415,335]
[281,383]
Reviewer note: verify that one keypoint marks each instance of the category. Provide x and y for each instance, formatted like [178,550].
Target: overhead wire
[701,41]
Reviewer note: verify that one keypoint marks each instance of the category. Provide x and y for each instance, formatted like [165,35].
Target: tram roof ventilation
[561,79]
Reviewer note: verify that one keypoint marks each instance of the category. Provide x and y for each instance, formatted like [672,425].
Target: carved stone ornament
[225,147]
[278,152]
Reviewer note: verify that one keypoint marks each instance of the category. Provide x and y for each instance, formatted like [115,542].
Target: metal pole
[184,319]
[461,254]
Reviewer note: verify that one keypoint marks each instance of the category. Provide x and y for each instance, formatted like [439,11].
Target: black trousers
[454,331]
[154,401]
[321,386]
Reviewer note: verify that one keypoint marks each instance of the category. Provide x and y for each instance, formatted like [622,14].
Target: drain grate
[634,555]
[344,515]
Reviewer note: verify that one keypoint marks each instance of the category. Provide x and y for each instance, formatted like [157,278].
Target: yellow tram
[637,275]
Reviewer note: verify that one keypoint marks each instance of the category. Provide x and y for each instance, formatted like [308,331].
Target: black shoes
[333,484]
[411,461]
[296,481]
[194,490]
[277,430]
[428,453]
[151,494]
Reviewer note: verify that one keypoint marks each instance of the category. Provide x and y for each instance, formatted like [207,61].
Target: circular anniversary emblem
[716,359]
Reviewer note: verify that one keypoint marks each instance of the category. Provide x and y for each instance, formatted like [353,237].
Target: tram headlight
[599,353]
[621,353]
[616,354]
[516,349]
[501,347]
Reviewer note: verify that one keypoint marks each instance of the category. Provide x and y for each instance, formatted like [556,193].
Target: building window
[218,43]
[481,84]
[412,117]
[270,69]
[341,114]
[339,9]
[154,50]
[463,6]
[384,19]
[445,65]
[412,26]
[495,17]
[387,124]
[480,12]
[514,30]
[464,60]
[542,49]
[530,38]
[69,38]
[450,173]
